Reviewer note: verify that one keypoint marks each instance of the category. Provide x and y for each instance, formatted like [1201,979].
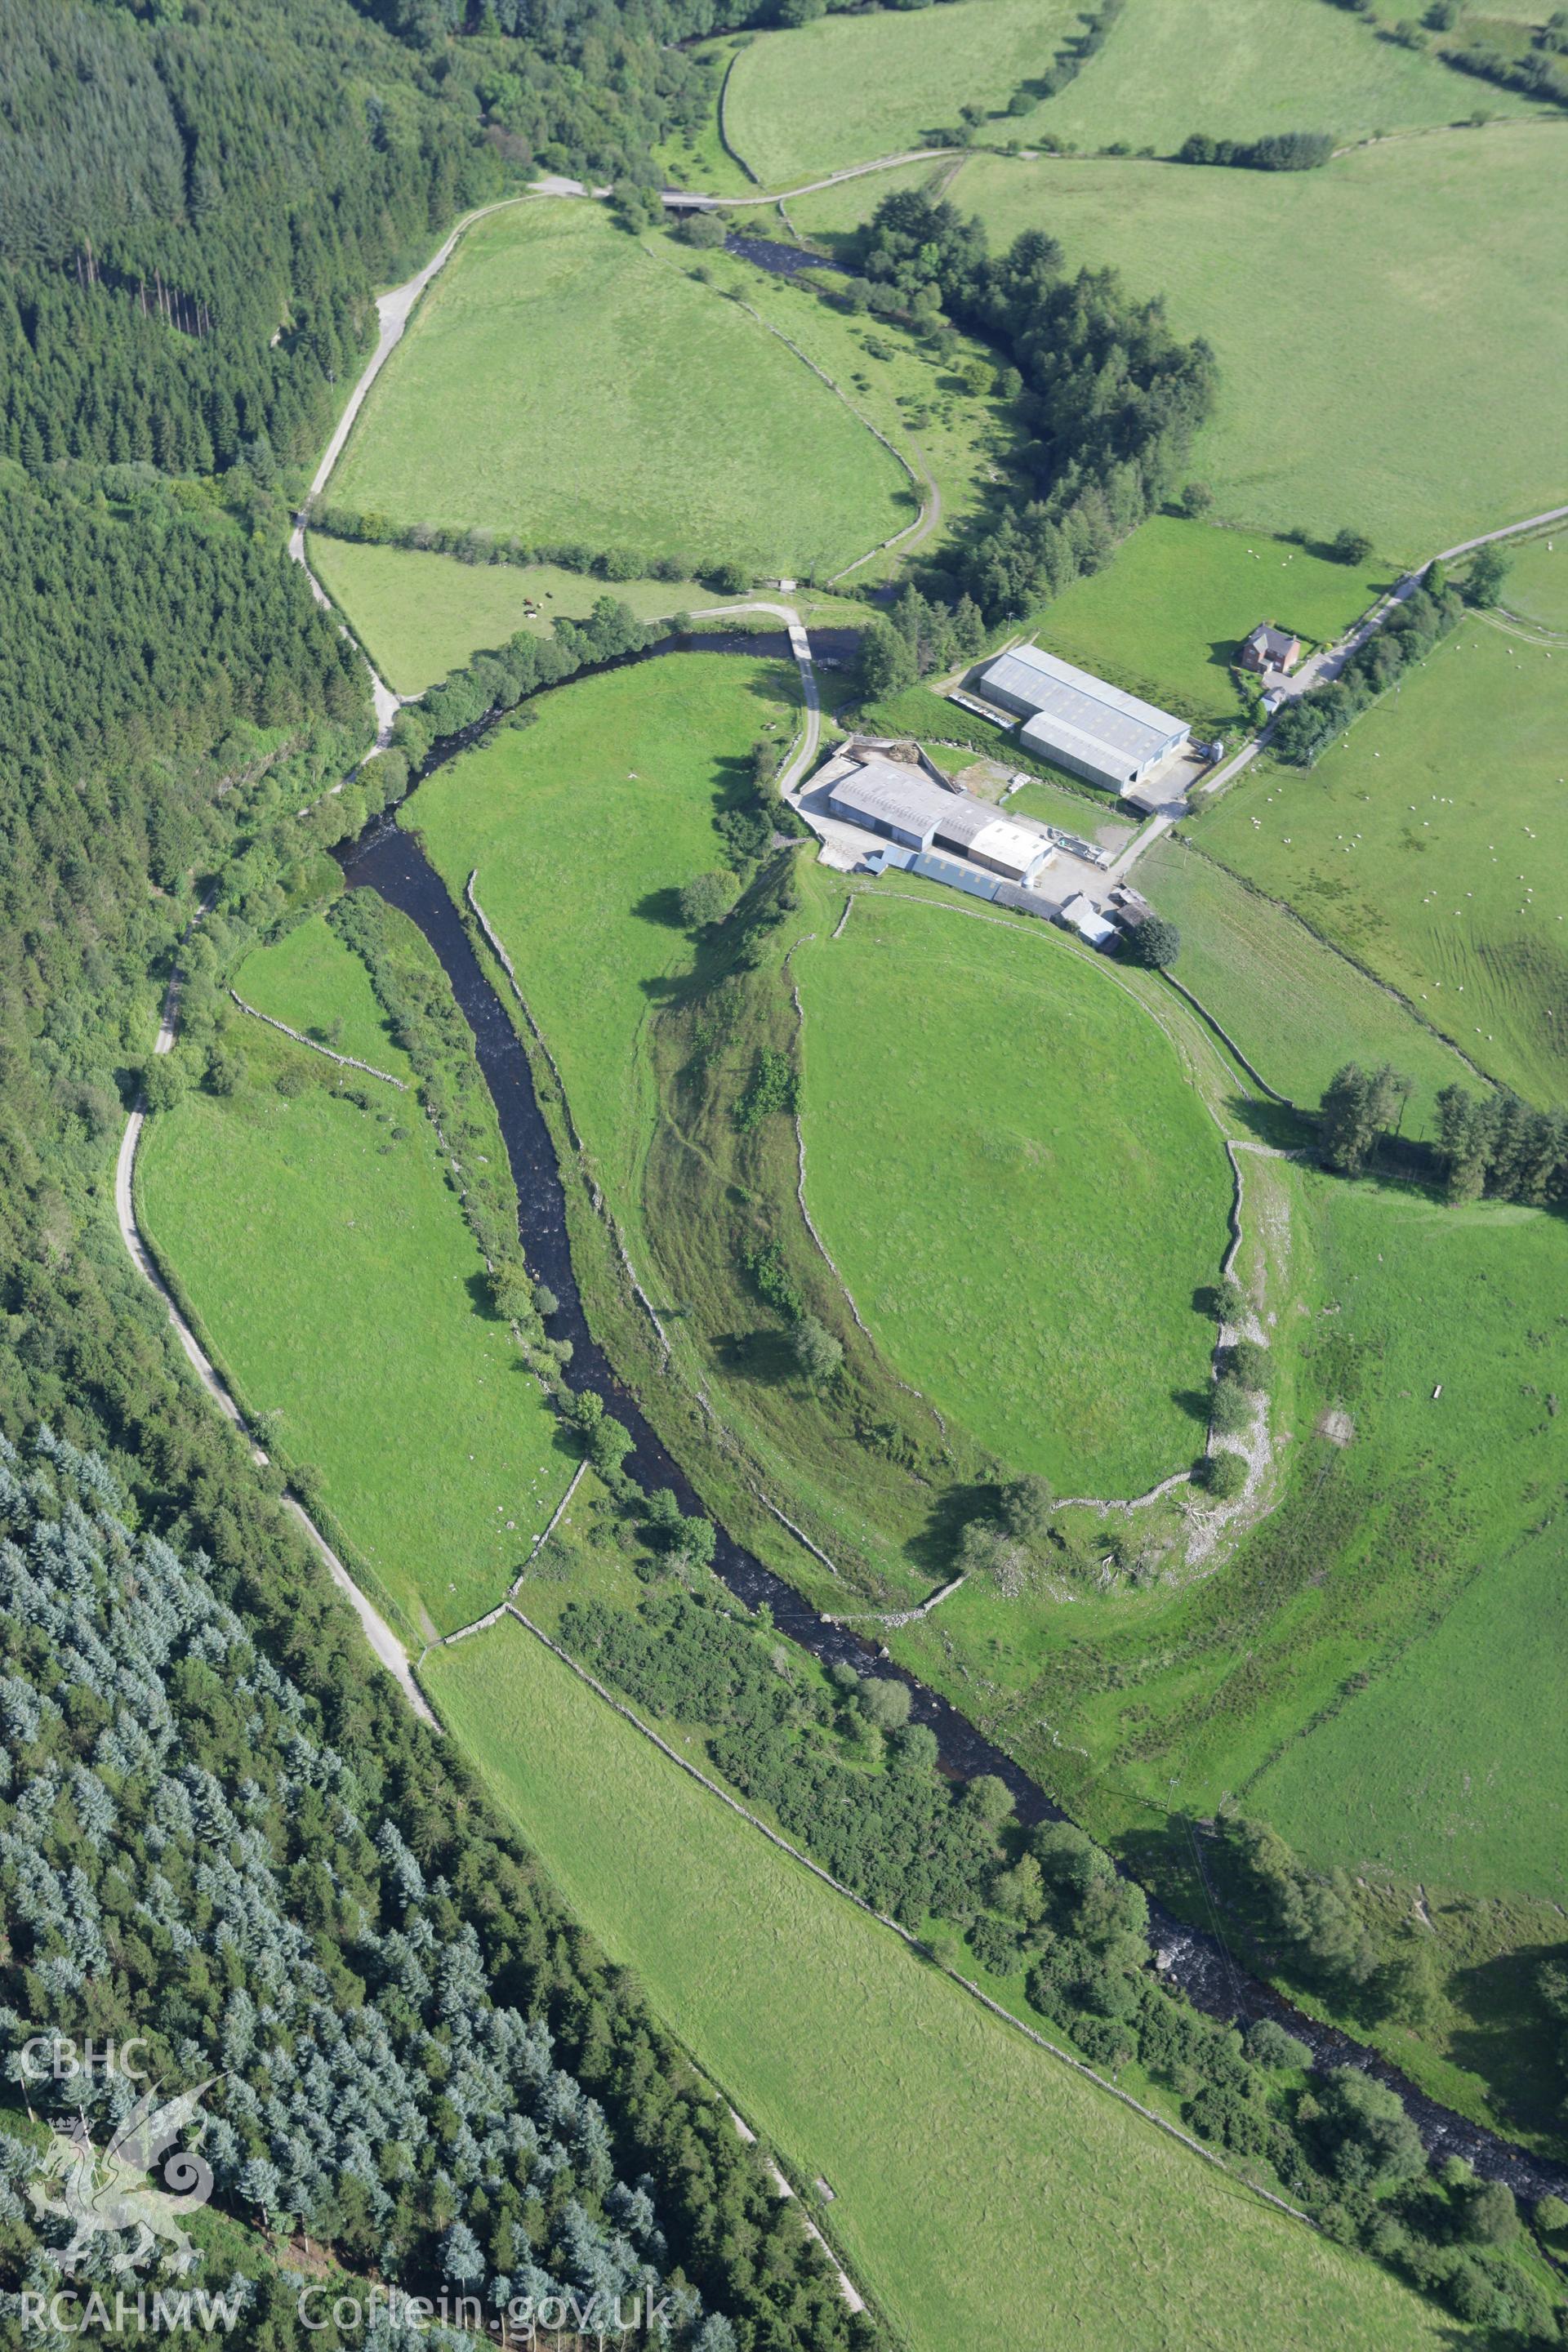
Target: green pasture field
[845,88]
[1451,1766]
[1021,1189]
[1347,388]
[419,616]
[1537,583]
[609,802]
[1298,1010]
[1406,846]
[332,1270]
[603,809]
[1237,69]
[561,380]
[948,433]
[309,979]
[1184,1695]
[981,2190]
[1167,618]
[1448,1766]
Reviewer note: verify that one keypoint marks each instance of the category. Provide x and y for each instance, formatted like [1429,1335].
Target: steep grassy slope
[1430,847]
[319,1241]
[1298,1010]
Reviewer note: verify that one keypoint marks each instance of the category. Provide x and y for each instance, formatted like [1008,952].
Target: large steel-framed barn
[899,802]
[1076,720]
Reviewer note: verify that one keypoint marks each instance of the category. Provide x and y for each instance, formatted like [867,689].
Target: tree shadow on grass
[662,906]
[951,1512]
[1271,1122]
[563,1439]
[1511,2038]
[1193,1403]
[763,1357]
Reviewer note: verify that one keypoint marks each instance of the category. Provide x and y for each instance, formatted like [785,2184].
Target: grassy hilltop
[1022,1191]
[563,382]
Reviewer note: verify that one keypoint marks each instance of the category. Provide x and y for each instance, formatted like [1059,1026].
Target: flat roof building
[899,802]
[1092,729]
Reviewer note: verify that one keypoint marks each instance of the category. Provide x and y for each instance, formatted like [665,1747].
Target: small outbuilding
[1270,648]
[1080,914]
[1127,909]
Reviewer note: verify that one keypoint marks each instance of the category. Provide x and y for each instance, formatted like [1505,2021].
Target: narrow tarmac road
[1321,670]
[800,645]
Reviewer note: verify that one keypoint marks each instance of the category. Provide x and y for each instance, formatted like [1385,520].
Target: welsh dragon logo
[107,2192]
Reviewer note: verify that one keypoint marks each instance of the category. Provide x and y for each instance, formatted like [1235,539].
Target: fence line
[1078,2065]
[348,1061]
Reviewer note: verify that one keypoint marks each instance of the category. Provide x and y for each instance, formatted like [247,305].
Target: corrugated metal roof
[963,820]
[1082,713]
[936,869]
[1023,902]
[976,831]
[888,790]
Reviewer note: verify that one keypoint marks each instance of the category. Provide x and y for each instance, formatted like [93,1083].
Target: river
[389,859]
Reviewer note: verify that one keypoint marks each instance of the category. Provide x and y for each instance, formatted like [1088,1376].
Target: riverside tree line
[847,1774]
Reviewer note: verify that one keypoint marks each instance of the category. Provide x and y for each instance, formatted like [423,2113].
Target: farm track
[1200,1964]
